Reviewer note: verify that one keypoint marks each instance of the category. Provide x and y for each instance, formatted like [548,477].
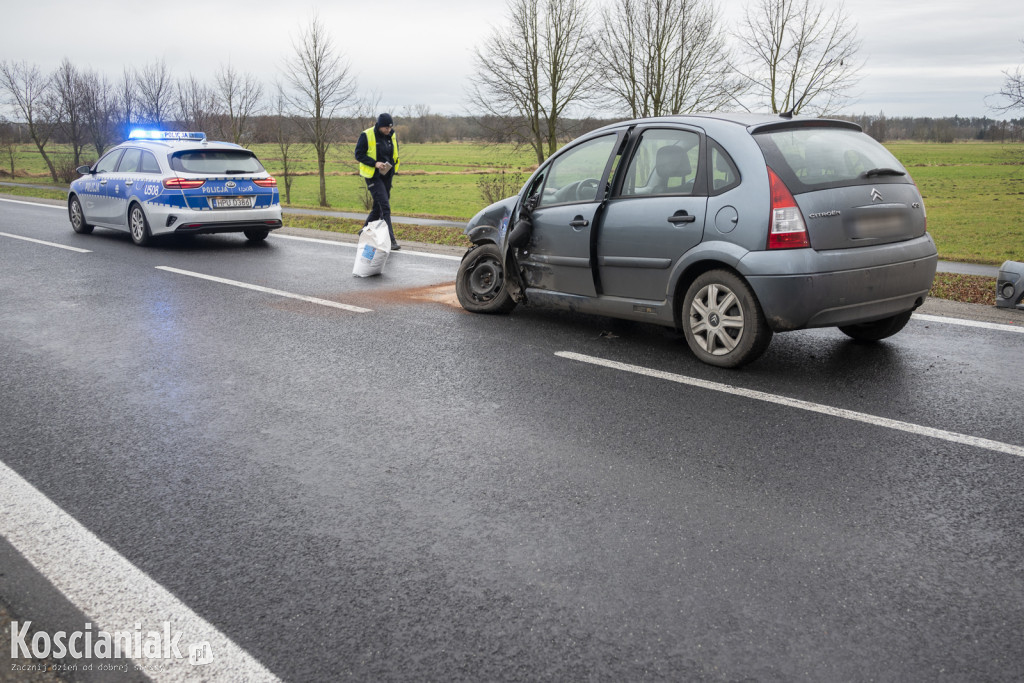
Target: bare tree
[534,69]
[799,56]
[197,104]
[27,89]
[239,96]
[321,85]
[155,91]
[666,57]
[285,132]
[1011,95]
[99,104]
[126,111]
[67,101]
[8,144]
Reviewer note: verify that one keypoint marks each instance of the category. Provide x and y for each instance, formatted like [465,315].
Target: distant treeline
[431,127]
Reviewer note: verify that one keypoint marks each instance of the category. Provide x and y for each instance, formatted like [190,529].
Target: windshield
[216,162]
[816,158]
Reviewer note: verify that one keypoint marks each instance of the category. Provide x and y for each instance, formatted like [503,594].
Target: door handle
[681,217]
[579,222]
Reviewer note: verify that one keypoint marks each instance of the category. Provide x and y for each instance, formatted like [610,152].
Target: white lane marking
[46,206]
[113,593]
[446,257]
[979,442]
[969,323]
[49,244]
[267,290]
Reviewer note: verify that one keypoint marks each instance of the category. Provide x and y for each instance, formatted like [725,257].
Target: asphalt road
[418,493]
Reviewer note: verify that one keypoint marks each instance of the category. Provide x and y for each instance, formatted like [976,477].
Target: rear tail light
[787,229]
[265,182]
[182,183]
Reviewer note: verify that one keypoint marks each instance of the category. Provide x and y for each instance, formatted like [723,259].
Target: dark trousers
[380,190]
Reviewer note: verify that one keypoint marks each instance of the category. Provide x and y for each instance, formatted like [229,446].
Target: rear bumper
[843,286]
[165,219]
[226,226]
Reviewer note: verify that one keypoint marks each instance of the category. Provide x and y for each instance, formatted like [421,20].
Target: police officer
[377,154]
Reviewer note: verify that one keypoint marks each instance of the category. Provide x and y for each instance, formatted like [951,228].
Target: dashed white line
[49,244]
[998,446]
[968,323]
[45,206]
[110,590]
[446,257]
[267,290]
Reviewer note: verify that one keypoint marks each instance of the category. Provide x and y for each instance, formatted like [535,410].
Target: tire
[480,283]
[256,235]
[877,329]
[139,226]
[77,217]
[723,321]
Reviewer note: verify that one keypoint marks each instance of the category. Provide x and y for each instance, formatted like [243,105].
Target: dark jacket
[385,149]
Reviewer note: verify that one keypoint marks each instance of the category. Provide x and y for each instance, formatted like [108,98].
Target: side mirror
[83,170]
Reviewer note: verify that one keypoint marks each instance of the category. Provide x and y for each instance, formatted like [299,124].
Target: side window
[577,175]
[109,161]
[130,161]
[665,162]
[724,174]
[149,164]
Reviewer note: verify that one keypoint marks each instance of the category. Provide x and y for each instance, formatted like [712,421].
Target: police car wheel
[256,235]
[77,217]
[139,226]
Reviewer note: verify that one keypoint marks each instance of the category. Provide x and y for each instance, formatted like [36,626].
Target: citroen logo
[876,196]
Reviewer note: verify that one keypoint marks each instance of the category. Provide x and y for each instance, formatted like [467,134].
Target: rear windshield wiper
[235,170]
[882,171]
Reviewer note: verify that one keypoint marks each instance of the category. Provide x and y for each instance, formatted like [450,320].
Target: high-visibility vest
[371,151]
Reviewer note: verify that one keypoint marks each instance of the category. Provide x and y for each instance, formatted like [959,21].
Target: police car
[161,182]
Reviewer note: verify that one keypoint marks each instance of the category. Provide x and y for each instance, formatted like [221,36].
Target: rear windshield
[216,161]
[818,158]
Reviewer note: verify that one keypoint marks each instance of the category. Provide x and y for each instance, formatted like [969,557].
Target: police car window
[130,161]
[109,162]
[149,164]
[216,161]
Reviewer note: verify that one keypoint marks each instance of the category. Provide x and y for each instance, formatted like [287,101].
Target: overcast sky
[923,57]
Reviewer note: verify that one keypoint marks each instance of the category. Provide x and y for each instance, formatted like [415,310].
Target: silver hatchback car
[727,227]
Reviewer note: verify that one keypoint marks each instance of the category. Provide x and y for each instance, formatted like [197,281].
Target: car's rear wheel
[877,329]
[256,235]
[139,226]
[480,284]
[723,321]
[77,217]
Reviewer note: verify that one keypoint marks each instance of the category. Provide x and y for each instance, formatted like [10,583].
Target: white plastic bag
[373,251]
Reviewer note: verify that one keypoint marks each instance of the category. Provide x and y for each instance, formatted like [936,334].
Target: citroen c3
[727,227]
[163,182]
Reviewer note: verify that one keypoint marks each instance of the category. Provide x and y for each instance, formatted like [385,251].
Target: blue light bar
[140,134]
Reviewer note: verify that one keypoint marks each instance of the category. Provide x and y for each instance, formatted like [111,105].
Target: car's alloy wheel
[139,226]
[722,321]
[77,217]
[480,283]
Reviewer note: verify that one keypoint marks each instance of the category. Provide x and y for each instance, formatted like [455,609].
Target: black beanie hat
[385,120]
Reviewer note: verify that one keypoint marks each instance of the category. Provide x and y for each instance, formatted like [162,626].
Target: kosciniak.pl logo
[89,643]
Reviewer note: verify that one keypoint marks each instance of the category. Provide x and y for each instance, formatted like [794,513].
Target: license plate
[880,226]
[232,202]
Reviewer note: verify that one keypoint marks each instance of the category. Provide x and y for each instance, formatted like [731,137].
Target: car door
[97,204]
[124,183]
[656,215]
[571,191]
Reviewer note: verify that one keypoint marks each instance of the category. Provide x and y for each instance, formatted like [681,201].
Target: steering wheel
[586,190]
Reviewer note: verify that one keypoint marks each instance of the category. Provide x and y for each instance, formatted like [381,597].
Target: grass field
[974,192]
